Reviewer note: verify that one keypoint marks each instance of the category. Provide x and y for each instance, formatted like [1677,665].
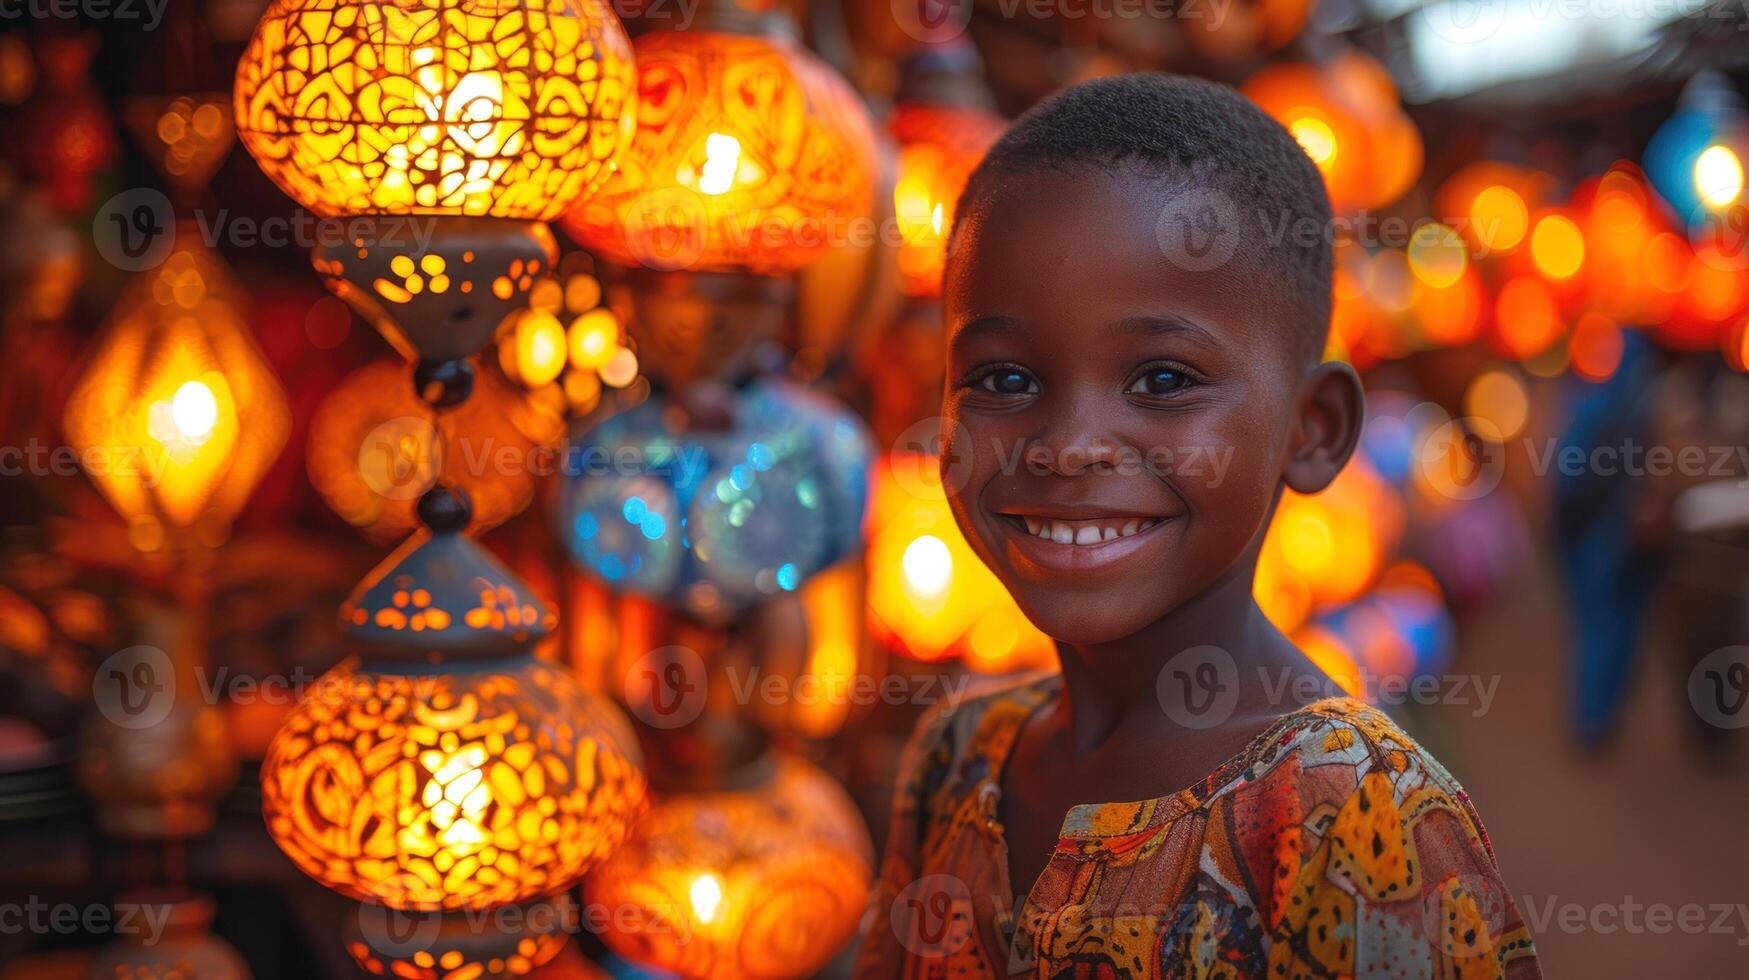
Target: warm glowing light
[1718,176]
[511,108]
[706,894]
[1527,319]
[928,567]
[541,348]
[594,339]
[722,164]
[177,413]
[1499,218]
[750,155]
[1347,116]
[1317,138]
[767,882]
[1327,549]
[1437,255]
[939,146]
[928,594]
[465,790]
[1596,347]
[1499,397]
[1557,247]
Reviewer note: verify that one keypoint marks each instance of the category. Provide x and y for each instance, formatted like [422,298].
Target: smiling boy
[1114,299]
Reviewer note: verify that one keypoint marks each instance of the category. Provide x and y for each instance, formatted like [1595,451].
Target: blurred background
[1536,563]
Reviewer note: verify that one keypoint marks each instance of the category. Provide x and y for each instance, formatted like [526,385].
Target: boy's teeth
[1086,533]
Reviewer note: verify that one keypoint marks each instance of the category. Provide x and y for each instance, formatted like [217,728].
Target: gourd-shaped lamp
[445,769]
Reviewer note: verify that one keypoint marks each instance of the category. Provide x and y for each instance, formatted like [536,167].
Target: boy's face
[1126,421]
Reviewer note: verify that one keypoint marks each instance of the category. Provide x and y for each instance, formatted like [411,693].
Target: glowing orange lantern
[447,768]
[939,146]
[751,155]
[767,882]
[1348,118]
[509,108]
[929,595]
[1326,549]
[177,416]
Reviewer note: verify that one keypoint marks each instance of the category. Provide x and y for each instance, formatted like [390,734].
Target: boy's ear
[1329,416]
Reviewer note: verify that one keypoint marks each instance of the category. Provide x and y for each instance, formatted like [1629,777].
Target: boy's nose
[1075,456]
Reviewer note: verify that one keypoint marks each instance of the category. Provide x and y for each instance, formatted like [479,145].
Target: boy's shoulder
[1339,743]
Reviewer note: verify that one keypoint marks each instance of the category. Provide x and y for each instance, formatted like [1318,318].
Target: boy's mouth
[1083,533]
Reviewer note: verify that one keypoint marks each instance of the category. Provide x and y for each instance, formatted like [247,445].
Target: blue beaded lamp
[713,521]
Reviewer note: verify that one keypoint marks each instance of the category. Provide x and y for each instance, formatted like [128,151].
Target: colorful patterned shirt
[1332,846]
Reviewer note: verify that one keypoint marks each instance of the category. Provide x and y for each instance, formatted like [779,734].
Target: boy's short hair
[1207,134]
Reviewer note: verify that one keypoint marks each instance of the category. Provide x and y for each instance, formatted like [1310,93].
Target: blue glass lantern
[713,521]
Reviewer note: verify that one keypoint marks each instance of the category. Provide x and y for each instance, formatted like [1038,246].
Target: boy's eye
[1008,381]
[1160,381]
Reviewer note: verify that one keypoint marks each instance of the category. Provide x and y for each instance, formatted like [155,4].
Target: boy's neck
[1112,687]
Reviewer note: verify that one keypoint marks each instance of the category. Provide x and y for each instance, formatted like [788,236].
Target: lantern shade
[939,147]
[766,882]
[751,155]
[508,108]
[450,790]
[177,416]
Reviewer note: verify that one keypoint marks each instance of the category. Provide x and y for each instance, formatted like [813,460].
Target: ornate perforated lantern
[507,108]
[766,881]
[445,767]
[751,154]
[177,415]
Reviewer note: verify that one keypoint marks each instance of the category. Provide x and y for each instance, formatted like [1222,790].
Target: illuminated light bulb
[1316,138]
[1557,247]
[594,339]
[928,567]
[706,894]
[1718,176]
[722,162]
[540,348]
